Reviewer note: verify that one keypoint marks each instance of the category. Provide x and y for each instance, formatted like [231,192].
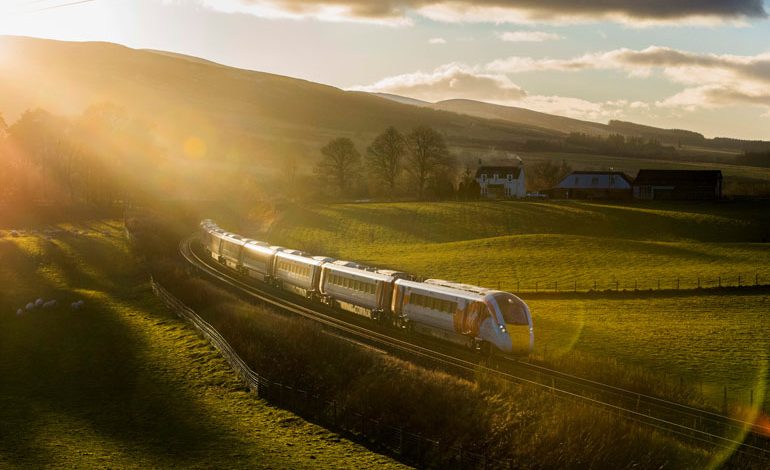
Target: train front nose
[521,339]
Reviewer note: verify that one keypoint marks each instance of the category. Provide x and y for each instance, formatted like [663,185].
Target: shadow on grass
[92,377]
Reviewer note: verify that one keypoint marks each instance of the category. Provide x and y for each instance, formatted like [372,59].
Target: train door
[468,320]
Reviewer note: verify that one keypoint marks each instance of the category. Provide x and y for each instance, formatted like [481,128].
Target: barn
[498,182]
[678,185]
[593,185]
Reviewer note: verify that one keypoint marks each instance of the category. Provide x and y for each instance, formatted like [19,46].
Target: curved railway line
[699,426]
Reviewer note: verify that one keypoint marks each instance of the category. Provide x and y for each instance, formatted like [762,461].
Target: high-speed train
[475,317]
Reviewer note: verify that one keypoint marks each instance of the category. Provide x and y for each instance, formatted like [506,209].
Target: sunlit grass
[122,382]
[716,340]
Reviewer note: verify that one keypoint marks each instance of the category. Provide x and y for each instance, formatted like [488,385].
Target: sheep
[19,312]
[14,234]
[49,304]
[77,305]
[30,307]
[39,302]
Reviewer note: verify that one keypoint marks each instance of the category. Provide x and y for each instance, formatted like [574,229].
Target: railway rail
[697,425]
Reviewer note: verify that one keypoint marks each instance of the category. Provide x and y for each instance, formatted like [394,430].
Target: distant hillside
[563,124]
[266,115]
[522,116]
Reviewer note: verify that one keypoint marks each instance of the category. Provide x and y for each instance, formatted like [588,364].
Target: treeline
[614,145]
[754,159]
[417,164]
[99,158]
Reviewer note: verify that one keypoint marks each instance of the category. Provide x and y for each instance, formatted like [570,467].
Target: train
[484,320]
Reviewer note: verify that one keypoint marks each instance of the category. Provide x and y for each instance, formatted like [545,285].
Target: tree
[340,163]
[385,154]
[427,154]
[546,175]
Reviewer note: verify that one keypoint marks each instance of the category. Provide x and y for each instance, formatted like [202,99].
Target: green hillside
[122,382]
[708,337]
[186,96]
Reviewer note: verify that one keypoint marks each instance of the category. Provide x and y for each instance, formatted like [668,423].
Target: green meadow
[702,337]
[122,382]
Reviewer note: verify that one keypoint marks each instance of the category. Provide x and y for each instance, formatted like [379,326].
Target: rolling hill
[186,96]
[562,124]
[261,118]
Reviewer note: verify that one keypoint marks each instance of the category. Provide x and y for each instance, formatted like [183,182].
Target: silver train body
[463,314]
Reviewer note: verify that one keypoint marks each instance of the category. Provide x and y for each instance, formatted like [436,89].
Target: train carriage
[297,273]
[465,315]
[257,261]
[230,249]
[355,290]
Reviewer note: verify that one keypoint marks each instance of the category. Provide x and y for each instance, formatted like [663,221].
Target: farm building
[678,185]
[593,185]
[499,182]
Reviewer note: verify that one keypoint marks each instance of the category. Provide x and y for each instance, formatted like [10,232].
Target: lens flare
[195,148]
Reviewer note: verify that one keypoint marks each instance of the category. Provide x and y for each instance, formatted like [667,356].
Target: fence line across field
[655,284]
[420,450]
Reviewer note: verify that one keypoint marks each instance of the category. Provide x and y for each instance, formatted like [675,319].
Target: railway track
[702,427]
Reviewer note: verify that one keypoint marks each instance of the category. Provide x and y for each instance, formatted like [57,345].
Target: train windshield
[514,310]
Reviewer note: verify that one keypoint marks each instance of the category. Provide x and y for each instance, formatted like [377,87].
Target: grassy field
[718,340]
[122,382]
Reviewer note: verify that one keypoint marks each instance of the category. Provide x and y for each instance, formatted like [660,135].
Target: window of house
[510,177]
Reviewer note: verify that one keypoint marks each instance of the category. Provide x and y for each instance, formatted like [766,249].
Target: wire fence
[408,447]
[730,281]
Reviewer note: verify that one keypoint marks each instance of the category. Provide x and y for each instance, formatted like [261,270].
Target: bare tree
[427,153]
[385,154]
[341,162]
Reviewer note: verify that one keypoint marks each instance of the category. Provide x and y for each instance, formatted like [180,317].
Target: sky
[702,65]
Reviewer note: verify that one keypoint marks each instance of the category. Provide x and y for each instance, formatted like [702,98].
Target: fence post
[594,284]
[739,280]
[677,283]
[724,404]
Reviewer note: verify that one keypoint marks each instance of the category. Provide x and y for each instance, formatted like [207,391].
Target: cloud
[454,81]
[449,81]
[712,80]
[436,41]
[528,36]
[502,11]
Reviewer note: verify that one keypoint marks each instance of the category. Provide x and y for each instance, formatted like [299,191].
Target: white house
[498,182]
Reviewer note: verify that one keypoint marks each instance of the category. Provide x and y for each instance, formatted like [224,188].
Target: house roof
[678,177]
[499,170]
[598,180]
[608,173]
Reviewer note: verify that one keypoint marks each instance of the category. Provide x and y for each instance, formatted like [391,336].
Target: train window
[514,310]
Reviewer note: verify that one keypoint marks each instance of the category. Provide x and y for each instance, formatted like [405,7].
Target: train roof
[460,286]
[298,257]
[232,237]
[394,274]
[358,272]
[440,289]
